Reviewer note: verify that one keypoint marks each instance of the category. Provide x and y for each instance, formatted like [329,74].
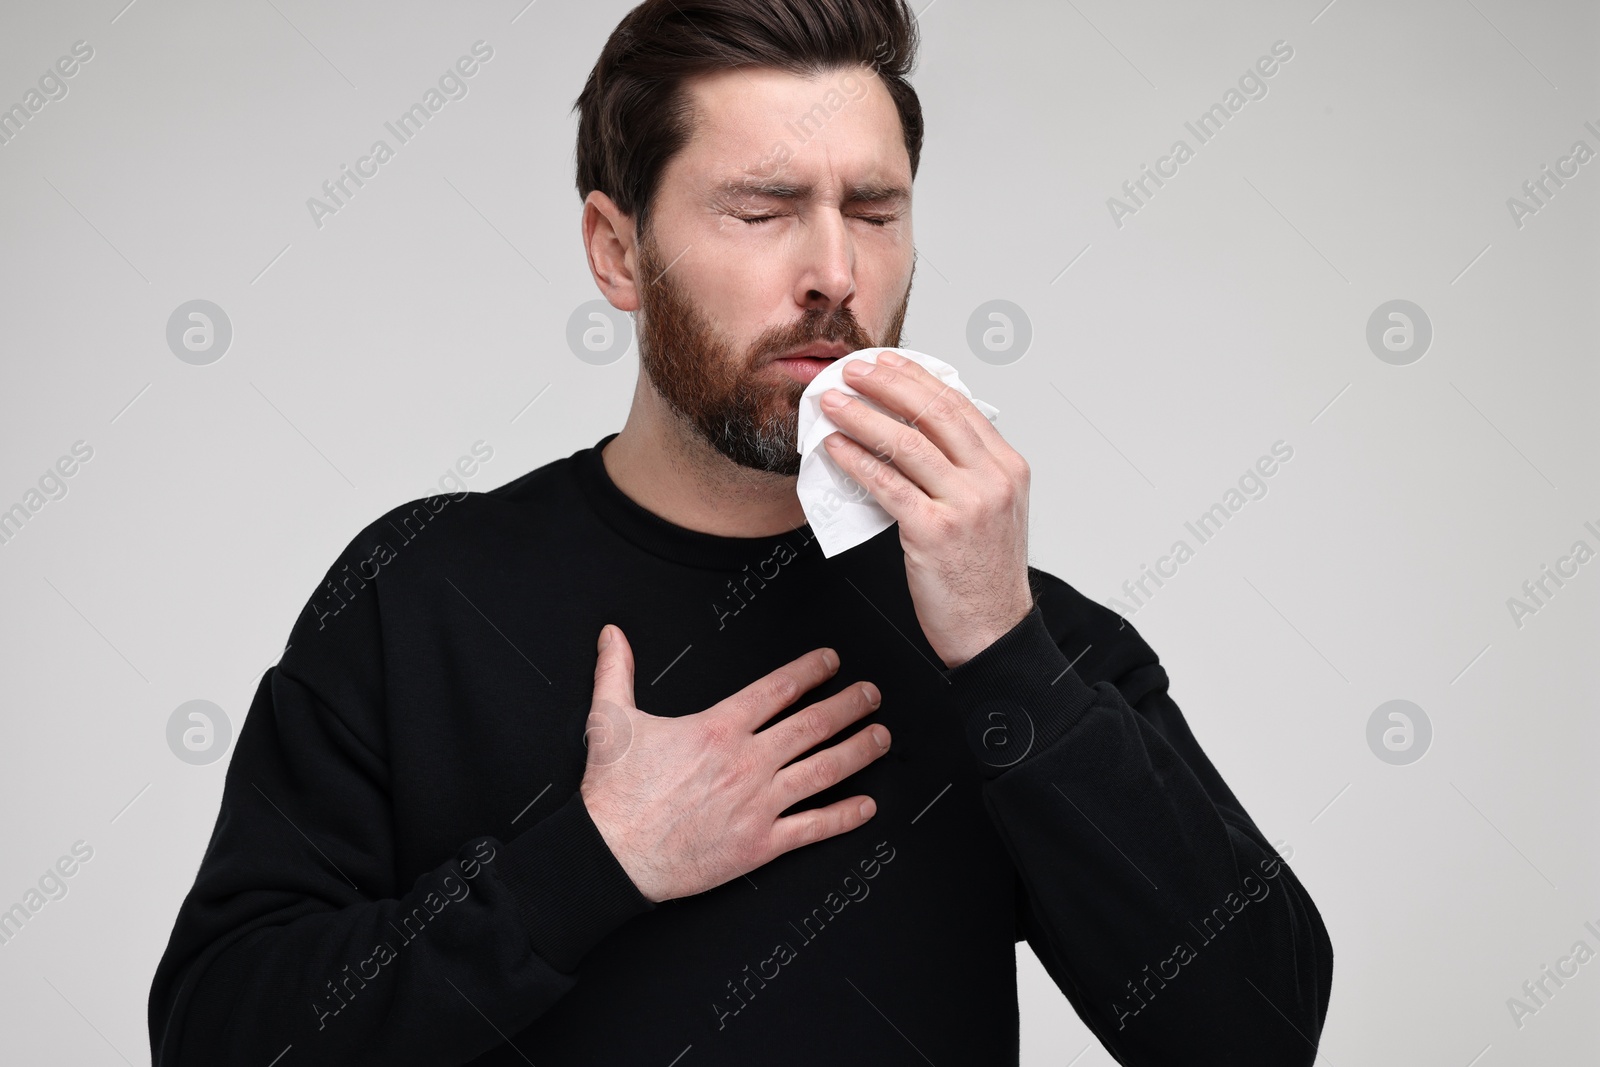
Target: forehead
[830,131]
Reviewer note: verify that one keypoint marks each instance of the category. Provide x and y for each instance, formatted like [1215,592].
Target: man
[804,827]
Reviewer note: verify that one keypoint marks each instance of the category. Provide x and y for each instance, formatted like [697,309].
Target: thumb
[608,731]
[613,671]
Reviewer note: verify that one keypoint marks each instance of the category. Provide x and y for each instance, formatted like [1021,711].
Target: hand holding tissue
[842,513]
[927,459]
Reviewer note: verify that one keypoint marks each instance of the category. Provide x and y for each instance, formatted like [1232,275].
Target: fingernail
[881,737]
[871,691]
[860,367]
[833,399]
[830,659]
[892,358]
[867,808]
[605,636]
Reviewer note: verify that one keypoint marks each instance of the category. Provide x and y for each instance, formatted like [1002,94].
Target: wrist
[984,638]
[617,843]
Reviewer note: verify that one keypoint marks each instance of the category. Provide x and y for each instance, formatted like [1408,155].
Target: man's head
[697,119]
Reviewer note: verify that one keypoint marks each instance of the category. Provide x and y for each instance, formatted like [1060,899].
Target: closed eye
[876,220]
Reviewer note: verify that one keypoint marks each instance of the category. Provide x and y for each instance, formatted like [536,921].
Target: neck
[666,467]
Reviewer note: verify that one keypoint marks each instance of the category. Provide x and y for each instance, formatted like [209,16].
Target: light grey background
[1229,313]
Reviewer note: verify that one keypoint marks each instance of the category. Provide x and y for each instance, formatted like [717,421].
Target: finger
[811,726]
[819,824]
[949,419]
[890,440]
[902,498]
[608,730]
[830,766]
[613,671]
[763,698]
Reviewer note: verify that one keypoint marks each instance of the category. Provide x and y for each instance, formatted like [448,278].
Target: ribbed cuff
[568,886]
[1016,697]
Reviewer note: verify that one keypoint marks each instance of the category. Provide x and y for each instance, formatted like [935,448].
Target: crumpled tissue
[841,511]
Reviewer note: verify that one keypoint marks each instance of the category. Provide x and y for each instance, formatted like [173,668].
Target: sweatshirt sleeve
[1167,920]
[296,933]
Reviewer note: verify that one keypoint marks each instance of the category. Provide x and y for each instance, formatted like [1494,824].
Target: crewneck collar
[670,541]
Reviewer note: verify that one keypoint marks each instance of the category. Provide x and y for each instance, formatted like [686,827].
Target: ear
[609,242]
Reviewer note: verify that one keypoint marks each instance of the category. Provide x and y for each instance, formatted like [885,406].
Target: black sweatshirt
[403,870]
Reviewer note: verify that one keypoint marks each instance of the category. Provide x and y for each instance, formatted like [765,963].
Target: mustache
[816,326]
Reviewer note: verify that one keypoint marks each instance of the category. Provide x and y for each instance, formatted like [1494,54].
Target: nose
[827,275]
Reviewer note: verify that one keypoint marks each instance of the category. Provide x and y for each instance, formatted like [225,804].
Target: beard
[728,397]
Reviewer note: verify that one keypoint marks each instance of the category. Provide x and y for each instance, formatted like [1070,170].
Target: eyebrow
[859,193]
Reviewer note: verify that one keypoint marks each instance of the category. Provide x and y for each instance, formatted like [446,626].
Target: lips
[824,351]
[804,364]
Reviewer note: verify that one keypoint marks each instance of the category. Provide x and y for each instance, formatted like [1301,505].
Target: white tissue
[841,511]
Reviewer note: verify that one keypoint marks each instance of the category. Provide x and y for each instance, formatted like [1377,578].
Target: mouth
[823,352]
[805,363]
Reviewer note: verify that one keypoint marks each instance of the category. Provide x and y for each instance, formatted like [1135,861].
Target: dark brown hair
[635,114]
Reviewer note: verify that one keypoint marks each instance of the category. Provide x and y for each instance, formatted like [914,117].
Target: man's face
[824,161]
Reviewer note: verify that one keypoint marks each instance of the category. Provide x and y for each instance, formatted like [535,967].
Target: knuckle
[749,851]
[907,442]
[716,733]
[785,687]
[834,823]
[819,774]
[814,725]
[943,407]
[945,523]
[805,831]
[739,770]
